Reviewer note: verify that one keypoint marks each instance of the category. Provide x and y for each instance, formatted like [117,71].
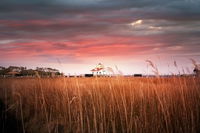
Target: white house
[99,70]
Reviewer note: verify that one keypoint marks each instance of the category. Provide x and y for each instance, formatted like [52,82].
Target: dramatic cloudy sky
[75,35]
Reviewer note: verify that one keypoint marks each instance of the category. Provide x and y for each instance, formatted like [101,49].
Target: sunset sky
[75,35]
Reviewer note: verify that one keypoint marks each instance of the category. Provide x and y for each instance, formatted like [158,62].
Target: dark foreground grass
[8,122]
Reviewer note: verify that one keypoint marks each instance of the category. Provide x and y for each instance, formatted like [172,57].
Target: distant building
[43,71]
[99,70]
[12,73]
[51,70]
[197,70]
[88,75]
[137,75]
[16,68]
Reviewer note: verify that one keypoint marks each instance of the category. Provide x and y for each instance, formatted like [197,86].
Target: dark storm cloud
[155,8]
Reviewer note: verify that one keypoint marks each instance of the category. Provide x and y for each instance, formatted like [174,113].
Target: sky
[75,35]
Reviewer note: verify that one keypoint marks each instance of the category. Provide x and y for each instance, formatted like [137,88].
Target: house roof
[98,68]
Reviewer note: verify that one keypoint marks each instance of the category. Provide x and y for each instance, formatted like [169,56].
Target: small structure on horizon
[88,75]
[137,75]
[99,70]
[197,70]
[13,73]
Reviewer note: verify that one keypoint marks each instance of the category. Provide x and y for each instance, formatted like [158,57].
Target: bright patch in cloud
[138,22]
[155,28]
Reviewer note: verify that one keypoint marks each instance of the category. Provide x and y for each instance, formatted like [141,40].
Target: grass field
[104,105]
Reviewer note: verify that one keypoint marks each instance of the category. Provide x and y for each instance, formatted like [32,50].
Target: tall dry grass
[104,105]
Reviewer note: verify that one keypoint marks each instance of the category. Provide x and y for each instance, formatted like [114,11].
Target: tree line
[23,71]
